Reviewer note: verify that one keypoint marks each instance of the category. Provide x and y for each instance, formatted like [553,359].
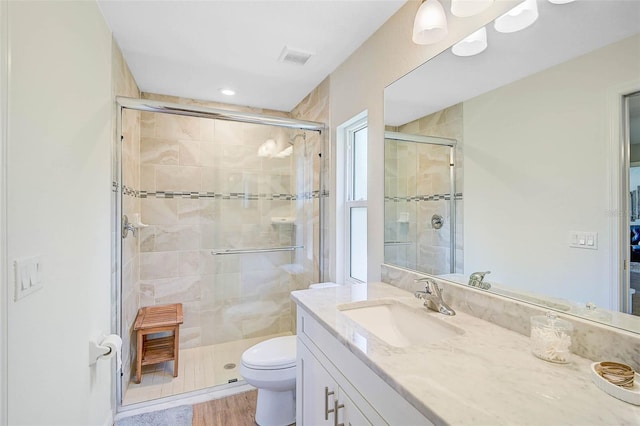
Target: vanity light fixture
[518,18]
[472,44]
[466,8]
[561,1]
[430,23]
[227,92]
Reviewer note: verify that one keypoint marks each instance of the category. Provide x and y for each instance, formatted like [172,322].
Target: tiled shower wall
[313,171]
[420,189]
[216,164]
[316,170]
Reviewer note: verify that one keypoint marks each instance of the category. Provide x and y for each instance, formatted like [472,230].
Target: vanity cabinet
[321,401]
[331,379]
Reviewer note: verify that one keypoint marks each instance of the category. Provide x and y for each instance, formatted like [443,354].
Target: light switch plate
[28,276]
[583,239]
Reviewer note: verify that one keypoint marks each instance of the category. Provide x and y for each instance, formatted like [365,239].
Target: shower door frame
[147,105]
[451,143]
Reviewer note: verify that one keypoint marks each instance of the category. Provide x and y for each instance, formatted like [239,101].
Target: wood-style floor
[235,410]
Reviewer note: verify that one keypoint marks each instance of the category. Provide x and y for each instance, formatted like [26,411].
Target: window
[356,201]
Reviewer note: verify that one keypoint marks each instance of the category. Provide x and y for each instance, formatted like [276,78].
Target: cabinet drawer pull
[326,403]
[336,407]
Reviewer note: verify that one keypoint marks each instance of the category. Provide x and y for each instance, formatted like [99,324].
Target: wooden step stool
[157,319]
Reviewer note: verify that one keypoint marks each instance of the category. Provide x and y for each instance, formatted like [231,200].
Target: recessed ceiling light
[227,92]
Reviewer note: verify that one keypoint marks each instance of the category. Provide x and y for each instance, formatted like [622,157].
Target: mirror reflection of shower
[420,212]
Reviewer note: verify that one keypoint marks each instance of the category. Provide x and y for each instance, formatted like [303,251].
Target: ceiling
[193,49]
[562,32]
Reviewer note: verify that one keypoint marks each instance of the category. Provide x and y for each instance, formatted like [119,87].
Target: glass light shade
[472,44]
[430,24]
[561,1]
[465,8]
[518,18]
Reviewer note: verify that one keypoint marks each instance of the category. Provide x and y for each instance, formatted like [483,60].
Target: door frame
[618,212]
[4,261]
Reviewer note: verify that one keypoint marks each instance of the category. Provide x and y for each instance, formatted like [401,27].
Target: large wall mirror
[530,120]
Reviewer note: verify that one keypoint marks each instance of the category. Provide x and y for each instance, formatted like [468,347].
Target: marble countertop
[485,376]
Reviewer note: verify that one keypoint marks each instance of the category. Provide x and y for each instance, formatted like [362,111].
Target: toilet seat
[273,354]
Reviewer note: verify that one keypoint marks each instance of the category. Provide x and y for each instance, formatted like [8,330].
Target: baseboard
[109,420]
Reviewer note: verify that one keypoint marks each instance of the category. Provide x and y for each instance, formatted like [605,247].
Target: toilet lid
[272,354]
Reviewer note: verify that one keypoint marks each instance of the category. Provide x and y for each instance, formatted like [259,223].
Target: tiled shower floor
[199,368]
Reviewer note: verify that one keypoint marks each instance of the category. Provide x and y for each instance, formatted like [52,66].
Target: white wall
[358,85]
[59,136]
[535,169]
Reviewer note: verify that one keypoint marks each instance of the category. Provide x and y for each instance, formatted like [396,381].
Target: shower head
[293,139]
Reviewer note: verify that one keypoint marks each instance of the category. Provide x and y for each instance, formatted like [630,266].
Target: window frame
[350,132]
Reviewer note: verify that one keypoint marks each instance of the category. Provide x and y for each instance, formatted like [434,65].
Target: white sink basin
[400,325]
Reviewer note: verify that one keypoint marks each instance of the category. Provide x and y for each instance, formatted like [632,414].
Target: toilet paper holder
[99,350]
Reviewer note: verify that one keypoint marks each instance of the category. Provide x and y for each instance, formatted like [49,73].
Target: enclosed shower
[221,212]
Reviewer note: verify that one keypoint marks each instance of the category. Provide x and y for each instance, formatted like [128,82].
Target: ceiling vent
[294,56]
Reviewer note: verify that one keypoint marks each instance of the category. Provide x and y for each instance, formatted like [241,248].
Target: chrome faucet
[475,280]
[432,296]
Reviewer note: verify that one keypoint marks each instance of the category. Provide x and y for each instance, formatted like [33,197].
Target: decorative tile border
[433,197]
[130,191]
[221,196]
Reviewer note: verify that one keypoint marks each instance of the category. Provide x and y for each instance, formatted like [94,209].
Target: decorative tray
[630,395]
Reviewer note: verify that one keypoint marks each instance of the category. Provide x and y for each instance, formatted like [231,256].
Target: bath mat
[177,416]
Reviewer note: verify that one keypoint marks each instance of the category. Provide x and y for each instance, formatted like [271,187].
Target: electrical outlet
[28,276]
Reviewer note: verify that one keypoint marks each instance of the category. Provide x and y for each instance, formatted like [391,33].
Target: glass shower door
[228,224]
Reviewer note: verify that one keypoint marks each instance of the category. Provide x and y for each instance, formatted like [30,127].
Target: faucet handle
[433,288]
[429,284]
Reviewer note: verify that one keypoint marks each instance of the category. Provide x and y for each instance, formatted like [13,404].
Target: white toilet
[270,366]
